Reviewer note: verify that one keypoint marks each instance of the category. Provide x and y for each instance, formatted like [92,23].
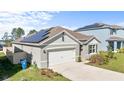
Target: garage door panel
[57,57]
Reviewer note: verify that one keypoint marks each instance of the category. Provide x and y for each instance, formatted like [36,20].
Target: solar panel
[39,36]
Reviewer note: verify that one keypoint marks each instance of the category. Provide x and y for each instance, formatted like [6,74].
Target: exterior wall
[18,56]
[67,40]
[8,52]
[5,49]
[57,44]
[100,34]
[14,57]
[120,33]
[33,53]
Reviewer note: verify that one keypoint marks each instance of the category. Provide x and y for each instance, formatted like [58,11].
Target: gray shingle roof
[55,30]
[115,38]
[99,26]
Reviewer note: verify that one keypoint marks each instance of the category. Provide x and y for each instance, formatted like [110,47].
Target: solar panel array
[35,38]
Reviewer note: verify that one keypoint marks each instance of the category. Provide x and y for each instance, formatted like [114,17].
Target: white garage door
[57,57]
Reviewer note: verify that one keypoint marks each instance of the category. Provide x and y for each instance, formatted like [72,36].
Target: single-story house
[109,35]
[56,45]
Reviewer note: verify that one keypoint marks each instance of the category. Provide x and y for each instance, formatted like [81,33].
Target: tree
[14,33]
[7,39]
[32,31]
[20,32]
[5,36]
[17,33]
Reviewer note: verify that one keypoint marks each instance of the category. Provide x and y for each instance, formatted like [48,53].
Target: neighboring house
[56,45]
[2,43]
[109,35]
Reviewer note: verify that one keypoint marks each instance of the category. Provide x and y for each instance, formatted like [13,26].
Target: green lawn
[12,72]
[114,64]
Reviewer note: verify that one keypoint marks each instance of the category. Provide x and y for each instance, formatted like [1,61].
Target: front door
[111,44]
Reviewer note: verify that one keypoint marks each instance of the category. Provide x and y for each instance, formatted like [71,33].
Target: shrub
[99,59]
[121,50]
[106,59]
[102,52]
[48,72]
[110,54]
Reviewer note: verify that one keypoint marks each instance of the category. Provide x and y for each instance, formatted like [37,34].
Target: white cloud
[70,27]
[121,24]
[26,20]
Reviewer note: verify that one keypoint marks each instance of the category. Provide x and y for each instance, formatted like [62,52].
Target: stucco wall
[14,57]
[120,33]
[57,43]
[18,56]
[100,34]
[33,53]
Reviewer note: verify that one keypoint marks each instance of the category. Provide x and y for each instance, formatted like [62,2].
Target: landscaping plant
[99,59]
[121,50]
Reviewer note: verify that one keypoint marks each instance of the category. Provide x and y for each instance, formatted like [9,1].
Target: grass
[114,64]
[35,75]
[9,71]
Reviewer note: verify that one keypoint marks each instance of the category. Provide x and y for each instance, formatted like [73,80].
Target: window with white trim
[92,49]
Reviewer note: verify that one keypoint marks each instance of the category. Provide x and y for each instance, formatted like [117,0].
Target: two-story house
[109,35]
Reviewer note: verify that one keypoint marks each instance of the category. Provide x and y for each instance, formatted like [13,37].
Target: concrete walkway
[82,72]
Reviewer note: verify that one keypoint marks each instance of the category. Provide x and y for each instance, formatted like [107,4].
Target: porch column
[115,45]
[96,46]
[122,44]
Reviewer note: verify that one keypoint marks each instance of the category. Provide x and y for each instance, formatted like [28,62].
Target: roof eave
[91,39]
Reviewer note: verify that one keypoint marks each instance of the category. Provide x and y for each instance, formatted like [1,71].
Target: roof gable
[92,38]
[62,39]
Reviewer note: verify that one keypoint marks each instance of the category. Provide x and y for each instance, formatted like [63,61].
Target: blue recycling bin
[23,63]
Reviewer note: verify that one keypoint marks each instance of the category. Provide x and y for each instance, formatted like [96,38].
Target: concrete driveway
[80,71]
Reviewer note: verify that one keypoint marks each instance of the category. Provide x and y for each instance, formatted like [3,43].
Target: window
[92,49]
[113,32]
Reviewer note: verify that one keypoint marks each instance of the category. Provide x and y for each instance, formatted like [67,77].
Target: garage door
[57,57]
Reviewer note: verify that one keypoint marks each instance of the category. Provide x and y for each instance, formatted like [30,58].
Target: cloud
[27,20]
[121,24]
[70,27]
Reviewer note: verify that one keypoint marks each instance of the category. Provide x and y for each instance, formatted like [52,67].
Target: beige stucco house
[60,45]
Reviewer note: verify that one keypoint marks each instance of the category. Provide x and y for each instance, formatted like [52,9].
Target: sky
[38,20]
